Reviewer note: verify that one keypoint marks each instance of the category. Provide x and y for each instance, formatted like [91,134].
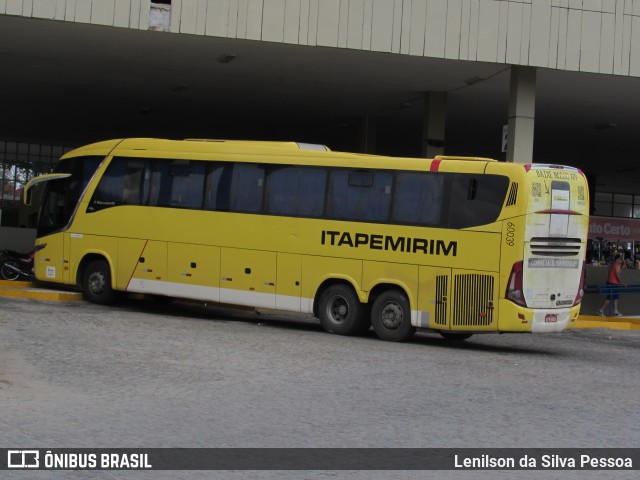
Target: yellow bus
[453,245]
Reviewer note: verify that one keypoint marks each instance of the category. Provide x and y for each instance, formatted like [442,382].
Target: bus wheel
[96,283]
[341,312]
[455,337]
[391,317]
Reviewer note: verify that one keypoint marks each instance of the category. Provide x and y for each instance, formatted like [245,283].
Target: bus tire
[96,283]
[391,317]
[455,337]
[341,312]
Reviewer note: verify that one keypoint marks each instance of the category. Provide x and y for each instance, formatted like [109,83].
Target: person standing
[613,281]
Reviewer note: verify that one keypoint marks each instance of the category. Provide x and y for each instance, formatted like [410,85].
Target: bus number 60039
[511,234]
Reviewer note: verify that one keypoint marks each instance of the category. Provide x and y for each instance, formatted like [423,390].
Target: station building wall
[597,36]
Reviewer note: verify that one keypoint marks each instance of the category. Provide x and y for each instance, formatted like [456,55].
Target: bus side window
[187,184]
[217,186]
[418,198]
[121,184]
[247,187]
[133,182]
[358,195]
[159,186]
[177,183]
[476,200]
[296,191]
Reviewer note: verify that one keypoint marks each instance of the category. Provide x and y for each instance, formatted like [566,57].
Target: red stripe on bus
[135,268]
[435,165]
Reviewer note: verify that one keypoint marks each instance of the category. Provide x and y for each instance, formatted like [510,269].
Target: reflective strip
[222,295]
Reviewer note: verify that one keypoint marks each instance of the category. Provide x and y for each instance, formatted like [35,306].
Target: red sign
[610,228]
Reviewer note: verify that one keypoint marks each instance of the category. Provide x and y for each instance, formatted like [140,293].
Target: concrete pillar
[368,133]
[435,112]
[522,112]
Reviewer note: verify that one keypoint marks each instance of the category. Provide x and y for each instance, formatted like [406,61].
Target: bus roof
[99,148]
[199,148]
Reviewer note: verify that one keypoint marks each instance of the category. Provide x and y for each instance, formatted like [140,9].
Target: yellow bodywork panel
[401,275]
[249,274]
[315,270]
[81,245]
[129,253]
[150,274]
[289,281]
[194,264]
[50,260]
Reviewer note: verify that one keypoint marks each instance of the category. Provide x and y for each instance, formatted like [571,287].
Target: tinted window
[247,187]
[476,199]
[217,186]
[61,196]
[121,184]
[418,198]
[177,183]
[355,195]
[297,191]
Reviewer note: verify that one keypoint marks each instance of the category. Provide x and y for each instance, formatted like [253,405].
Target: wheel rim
[8,273]
[96,283]
[337,309]
[391,316]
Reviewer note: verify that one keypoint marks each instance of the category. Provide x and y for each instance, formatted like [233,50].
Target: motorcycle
[15,265]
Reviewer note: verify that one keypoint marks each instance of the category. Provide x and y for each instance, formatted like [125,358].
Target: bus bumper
[514,318]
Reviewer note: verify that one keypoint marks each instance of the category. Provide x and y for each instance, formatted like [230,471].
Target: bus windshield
[62,195]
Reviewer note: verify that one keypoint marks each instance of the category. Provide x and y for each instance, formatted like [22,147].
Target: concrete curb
[34,291]
[615,323]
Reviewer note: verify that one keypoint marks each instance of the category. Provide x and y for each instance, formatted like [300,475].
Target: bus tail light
[514,286]
[580,293]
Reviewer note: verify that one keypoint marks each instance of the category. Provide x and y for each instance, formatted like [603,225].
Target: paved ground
[148,375]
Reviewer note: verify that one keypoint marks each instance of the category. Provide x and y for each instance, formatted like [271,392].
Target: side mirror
[26,194]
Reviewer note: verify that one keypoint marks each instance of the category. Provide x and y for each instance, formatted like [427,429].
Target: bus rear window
[476,199]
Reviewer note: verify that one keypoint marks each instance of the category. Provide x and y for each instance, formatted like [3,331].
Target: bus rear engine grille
[473,299]
[555,247]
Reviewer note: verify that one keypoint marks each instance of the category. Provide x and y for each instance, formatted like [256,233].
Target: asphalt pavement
[144,374]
